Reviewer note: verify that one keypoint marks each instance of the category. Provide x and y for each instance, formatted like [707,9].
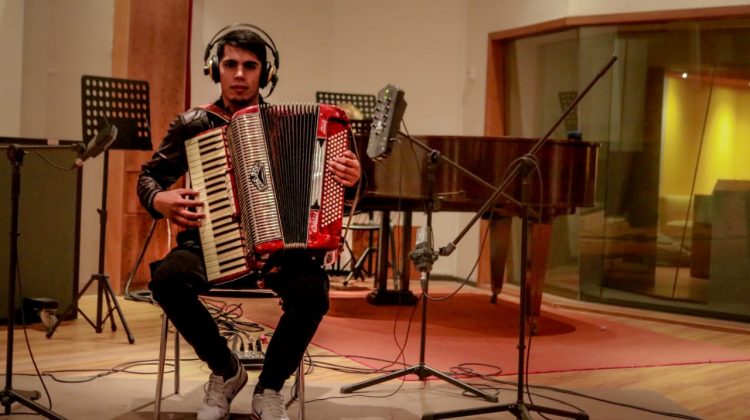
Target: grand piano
[398,183]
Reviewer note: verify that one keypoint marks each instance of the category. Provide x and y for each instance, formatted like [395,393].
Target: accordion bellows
[264,184]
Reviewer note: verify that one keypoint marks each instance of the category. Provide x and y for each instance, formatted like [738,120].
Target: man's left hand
[345,169]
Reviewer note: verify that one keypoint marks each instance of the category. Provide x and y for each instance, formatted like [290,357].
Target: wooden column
[494,125]
[151,43]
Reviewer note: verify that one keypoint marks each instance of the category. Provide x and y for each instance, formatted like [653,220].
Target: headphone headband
[211,67]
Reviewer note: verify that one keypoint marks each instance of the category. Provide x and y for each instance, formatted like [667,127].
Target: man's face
[240,78]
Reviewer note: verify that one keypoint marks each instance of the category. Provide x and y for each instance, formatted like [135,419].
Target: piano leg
[541,234]
[384,240]
[401,295]
[499,241]
[405,275]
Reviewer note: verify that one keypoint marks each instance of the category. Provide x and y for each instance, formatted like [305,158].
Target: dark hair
[244,39]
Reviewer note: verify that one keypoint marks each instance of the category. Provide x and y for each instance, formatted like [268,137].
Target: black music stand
[8,396]
[124,104]
[364,103]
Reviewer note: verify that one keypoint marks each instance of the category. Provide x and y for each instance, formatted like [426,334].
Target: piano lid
[566,169]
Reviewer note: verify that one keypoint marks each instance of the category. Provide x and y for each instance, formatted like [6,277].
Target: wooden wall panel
[151,42]
[494,125]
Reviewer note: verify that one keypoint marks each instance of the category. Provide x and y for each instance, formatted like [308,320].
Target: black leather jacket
[169,162]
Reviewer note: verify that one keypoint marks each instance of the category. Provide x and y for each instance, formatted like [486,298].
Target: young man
[179,278]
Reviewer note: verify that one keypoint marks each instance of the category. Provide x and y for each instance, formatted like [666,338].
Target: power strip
[251,359]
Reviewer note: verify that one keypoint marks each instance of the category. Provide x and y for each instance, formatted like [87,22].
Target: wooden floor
[710,391]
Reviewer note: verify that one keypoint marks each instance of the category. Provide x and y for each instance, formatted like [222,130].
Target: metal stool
[299,375]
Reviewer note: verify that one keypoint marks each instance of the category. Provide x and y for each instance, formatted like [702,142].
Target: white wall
[598,7]
[11,28]
[354,46]
[52,43]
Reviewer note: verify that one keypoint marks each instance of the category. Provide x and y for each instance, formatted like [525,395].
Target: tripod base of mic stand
[104,291]
[391,297]
[9,396]
[518,409]
[422,371]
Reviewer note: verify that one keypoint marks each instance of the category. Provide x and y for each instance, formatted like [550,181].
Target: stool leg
[162,365]
[162,360]
[298,392]
[176,362]
[301,388]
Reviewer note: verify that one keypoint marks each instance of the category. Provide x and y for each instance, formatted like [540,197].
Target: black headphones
[268,72]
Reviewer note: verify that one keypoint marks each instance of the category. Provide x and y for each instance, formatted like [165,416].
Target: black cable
[143,296]
[55,165]
[19,285]
[125,367]
[466,280]
[582,395]
[462,370]
[604,400]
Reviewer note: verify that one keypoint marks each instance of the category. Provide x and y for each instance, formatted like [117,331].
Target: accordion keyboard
[223,250]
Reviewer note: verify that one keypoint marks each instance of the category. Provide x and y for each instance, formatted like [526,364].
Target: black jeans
[299,280]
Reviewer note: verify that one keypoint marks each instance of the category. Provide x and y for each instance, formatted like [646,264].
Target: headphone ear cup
[263,78]
[271,76]
[212,69]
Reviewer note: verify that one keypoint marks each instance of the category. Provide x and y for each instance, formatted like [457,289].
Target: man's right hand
[180,206]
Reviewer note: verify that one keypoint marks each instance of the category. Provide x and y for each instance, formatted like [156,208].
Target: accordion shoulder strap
[214,109]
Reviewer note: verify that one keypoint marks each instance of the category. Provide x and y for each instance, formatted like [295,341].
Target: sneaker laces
[215,391]
[275,403]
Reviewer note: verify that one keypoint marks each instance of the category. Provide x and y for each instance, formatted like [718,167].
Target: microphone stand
[520,409]
[8,395]
[104,289]
[423,257]
[403,295]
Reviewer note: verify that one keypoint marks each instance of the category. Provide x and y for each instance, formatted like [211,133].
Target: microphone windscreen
[101,142]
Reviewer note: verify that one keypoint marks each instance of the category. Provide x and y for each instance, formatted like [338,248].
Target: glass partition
[670,227]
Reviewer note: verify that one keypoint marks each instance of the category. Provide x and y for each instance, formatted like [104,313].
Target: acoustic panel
[48,226]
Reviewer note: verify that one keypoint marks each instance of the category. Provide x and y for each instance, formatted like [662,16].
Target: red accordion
[264,184]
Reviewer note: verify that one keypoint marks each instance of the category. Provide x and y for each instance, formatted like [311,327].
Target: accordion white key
[264,184]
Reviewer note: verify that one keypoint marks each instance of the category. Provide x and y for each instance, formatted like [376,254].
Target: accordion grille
[279,165]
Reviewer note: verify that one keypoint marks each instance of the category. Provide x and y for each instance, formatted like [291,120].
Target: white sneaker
[219,394]
[269,406]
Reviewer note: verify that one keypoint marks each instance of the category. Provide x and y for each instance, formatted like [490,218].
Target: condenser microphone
[423,255]
[104,138]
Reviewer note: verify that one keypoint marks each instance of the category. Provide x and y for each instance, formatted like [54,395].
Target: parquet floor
[710,391]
